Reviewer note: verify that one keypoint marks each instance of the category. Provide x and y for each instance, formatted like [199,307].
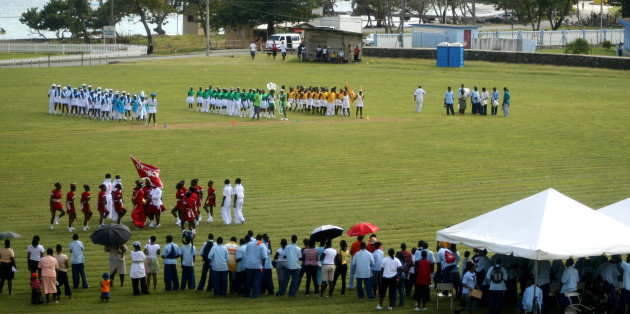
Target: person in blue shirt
[188,253]
[293,254]
[239,277]
[469,283]
[170,255]
[320,251]
[267,280]
[218,257]
[76,262]
[255,256]
[363,261]
[376,268]
[206,269]
[494,100]
[475,98]
[569,280]
[625,287]
[529,295]
[506,102]
[449,99]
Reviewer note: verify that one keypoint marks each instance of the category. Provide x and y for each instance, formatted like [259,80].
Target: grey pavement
[87,62]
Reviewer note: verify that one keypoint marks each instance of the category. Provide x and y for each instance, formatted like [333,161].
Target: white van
[292,40]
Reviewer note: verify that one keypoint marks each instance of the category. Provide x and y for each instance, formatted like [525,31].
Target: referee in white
[418,96]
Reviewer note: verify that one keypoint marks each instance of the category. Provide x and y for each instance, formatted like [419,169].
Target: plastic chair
[443,287]
[575,304]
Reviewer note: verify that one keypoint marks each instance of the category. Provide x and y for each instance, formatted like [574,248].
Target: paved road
[213,53]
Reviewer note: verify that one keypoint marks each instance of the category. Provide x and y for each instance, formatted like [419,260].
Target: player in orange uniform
[85,207]
[102,204]
[211,201]
[118,202]
[55,205]
[72,215]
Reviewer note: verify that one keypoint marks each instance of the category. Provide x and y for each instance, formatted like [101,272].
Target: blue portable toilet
[442,54]
[455,55]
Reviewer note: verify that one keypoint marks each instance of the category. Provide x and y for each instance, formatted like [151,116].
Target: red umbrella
[362,229]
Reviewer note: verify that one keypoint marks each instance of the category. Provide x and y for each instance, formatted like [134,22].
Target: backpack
[172,253]
[497,275]
[449,256]
[206,251]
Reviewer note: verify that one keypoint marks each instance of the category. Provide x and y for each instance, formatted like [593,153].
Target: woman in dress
[152,251]
[152,109]
[48,266]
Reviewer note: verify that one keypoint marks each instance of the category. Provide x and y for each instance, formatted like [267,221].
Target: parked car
[368,41]
[292,40]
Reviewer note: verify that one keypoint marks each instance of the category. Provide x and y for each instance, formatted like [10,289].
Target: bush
[606,44]
[578,46]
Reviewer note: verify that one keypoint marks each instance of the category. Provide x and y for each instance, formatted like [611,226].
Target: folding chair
[575,304]
[438,294]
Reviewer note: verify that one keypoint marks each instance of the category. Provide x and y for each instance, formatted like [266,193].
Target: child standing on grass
[105,288]
[210,201]
[36,293]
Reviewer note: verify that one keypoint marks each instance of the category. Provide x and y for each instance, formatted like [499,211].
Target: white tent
[544,226]
[619,211]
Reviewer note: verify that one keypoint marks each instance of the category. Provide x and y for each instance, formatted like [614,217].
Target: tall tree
[328,7]
[60,16]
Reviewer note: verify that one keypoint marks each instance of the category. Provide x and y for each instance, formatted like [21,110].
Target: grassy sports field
[410,174]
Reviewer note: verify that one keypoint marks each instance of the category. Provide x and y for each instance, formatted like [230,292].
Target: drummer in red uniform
[85,206]
[195,183]
[55,205]
[118,202]
[211,201]
[178,210]
[72,215]
[102,204]
[190,202]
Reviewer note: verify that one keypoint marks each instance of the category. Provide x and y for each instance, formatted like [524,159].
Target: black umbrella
[112,234]
[8,235]
[326,232]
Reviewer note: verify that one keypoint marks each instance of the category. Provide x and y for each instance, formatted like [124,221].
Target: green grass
[595,51]
[410,174]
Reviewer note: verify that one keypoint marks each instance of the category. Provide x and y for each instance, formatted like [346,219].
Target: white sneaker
[416,309]
[152,224]
[52,227]
[56,221]
[209,219]
[84,228]
[389,308]
[70,229]
[196,222]
[158,225]
[379,307]
[178,222]
[424,308]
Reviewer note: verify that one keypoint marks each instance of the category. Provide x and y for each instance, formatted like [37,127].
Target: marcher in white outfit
[51,99]
[226,203]
[109,205]
[239,196]
[418,96]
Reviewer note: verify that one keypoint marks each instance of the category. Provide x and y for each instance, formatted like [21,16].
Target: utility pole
[111,18]
[207,28]
[474,12]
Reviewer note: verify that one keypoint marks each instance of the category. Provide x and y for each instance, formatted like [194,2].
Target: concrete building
[335,40]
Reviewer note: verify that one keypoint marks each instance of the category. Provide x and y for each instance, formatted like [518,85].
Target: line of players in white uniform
[104,104]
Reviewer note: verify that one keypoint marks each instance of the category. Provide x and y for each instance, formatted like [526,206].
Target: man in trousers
[239,196]
[226,203]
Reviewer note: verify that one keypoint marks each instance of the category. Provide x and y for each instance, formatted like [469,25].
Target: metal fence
[561,37]
[69,52]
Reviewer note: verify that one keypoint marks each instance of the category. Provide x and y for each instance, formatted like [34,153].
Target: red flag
[148,171]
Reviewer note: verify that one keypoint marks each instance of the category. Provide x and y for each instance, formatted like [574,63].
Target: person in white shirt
[359,100]
[283,50]
[328,269]
[484,101]
[496,275]
[226,202]
[494,99]
[391,268]
[137,273]
[418,96]
[252,50]
[108,197]
[51,99]
[569,280]
[156,202]
[152,251]
[239,196]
